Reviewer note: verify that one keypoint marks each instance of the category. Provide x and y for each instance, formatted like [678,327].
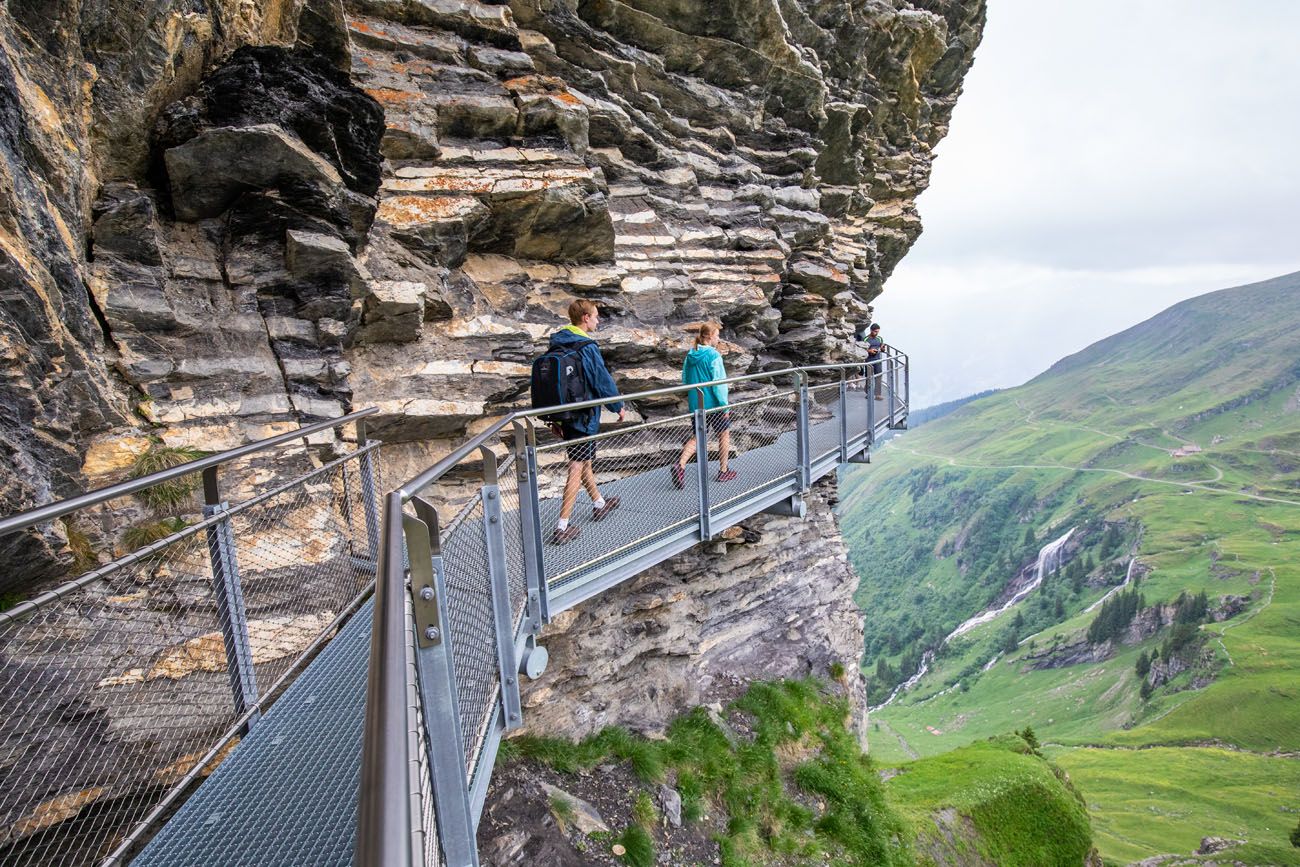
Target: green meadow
[952,512]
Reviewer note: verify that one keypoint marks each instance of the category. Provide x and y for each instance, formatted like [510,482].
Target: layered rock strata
[219,220]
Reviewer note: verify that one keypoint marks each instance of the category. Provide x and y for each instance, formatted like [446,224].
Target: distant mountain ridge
[1174,448]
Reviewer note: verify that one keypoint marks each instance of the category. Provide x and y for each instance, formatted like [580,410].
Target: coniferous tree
[1295,836]
[1109,542]
[1058,610]
[1009,641]
[1146,690]
[1029,537]
[1143,664]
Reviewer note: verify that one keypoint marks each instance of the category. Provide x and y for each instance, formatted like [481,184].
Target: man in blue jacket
[584,319]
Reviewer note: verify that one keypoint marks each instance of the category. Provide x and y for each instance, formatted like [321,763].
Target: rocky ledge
[219,220]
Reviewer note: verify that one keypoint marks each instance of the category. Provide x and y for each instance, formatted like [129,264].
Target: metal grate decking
[287,794]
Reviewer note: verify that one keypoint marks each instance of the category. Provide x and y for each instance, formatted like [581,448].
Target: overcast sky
[1107,159]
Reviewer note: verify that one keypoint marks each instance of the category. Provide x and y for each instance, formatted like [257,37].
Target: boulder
[207,173]
[392,312]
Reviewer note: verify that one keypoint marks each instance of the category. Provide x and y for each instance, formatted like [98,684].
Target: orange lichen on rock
[411,210]
[389,96]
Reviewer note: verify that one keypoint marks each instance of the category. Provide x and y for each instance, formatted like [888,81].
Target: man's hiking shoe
[727,476]
[611,503]
[568,534]
[679,476]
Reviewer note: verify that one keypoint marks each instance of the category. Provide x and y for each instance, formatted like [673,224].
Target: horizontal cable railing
[483,583]
[124,687]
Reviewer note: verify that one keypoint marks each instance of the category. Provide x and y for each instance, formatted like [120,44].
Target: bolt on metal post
[436,674]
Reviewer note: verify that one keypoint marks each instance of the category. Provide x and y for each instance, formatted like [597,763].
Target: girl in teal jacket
[704,364]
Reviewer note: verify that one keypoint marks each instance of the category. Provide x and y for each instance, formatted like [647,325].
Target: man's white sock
[562,524]
[599,504]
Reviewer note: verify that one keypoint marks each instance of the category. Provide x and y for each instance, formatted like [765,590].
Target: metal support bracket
[794,507]
[426,601]
[495,540]
[844,419]
[530,521]
[231,612]
[702,465]
[437,680]
[802,439]
[862,457]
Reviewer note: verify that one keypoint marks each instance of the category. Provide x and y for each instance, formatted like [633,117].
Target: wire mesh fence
[628,497]
[763,445]
[472,627]
[825,409]
[113,690]
[632,471]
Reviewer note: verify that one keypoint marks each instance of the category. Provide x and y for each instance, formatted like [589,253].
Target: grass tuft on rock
[170,495]
[638,845]
[137,537]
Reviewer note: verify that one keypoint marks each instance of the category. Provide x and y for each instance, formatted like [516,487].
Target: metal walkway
[380,751]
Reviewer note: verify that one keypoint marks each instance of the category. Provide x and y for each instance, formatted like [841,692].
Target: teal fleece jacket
[704,364]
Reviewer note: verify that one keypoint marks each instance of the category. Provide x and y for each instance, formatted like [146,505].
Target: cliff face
[219,219]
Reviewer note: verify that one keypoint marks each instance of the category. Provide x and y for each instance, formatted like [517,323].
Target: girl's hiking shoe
[568,534]
[727,476]
[679,476]
[611,503]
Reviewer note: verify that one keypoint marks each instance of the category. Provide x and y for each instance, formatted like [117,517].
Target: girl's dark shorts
[716,422]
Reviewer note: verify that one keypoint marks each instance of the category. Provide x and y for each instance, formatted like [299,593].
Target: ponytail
[706,331]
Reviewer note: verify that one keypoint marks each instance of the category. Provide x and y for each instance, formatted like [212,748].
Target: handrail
[444,465]
[385,805]
[51,511]
[100,572]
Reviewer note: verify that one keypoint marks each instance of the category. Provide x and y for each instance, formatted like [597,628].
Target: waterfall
[1049,560]
[1128,577]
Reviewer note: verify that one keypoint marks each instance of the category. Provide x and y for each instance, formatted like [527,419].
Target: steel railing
[463,593]
[195,625]
[122,688]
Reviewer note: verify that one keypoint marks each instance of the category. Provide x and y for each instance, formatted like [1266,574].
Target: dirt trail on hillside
[1198,485]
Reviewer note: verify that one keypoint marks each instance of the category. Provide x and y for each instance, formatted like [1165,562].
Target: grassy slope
[1221,371]
[782,780]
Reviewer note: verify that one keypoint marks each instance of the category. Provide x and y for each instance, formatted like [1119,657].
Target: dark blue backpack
[558,378]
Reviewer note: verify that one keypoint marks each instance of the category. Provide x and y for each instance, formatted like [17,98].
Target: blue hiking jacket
[599,382]
[704,364]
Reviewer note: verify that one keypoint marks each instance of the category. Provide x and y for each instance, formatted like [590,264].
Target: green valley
[1160,663]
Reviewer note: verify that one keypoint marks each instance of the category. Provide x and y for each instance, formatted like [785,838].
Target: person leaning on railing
[704,364]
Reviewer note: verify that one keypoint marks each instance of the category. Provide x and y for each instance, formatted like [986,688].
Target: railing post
[438,700]
[494,538]
[893,391]
[702,464]
[384,810]
[229,596]
[369,497]
[844,419]
[802,443]
[907,386]
[871,407]
[530,519]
